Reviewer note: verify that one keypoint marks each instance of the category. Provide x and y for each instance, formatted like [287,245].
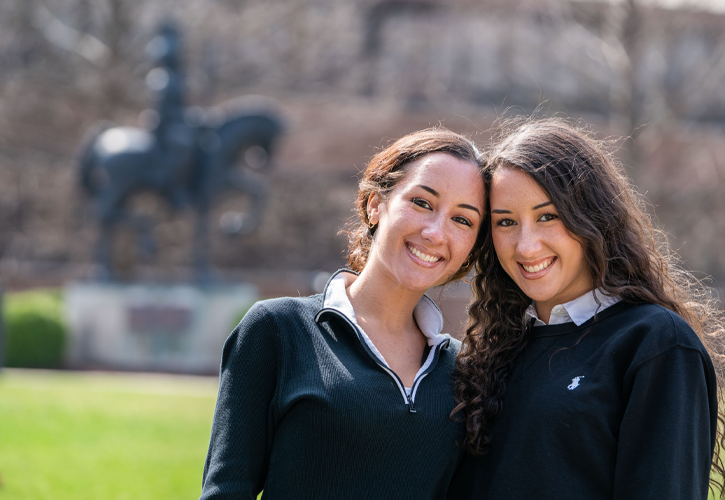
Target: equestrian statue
[188,155]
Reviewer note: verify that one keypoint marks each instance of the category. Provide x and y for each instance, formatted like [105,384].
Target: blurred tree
[662,64]
[351,73]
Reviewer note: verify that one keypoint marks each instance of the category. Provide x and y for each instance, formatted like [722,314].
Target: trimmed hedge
[35,334]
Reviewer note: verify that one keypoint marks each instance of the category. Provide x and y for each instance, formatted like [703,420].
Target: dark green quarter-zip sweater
[306,411]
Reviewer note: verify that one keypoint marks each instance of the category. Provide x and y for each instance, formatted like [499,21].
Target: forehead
[513,186]
[440,166]
[446,174]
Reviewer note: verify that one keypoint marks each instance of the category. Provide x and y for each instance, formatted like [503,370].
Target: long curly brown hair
[625,253]
[386,169]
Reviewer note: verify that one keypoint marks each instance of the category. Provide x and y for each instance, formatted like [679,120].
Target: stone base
[179,328]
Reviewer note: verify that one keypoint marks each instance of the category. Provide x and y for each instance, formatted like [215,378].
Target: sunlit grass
[103,436]
[79,436]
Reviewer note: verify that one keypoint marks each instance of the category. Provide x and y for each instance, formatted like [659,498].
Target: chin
[419,283]
[421,287]
[537,296]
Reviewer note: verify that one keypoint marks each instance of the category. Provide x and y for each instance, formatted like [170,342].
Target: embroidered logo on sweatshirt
[574,383]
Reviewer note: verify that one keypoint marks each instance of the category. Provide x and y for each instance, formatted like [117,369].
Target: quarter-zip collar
[426,314]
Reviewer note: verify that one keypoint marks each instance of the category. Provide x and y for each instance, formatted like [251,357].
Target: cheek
[465,245]
[572,250]
[399,222]
[576,259]
[502,244]
[583,271]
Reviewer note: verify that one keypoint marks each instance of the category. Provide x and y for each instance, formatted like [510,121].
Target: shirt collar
[579,310]
[426,313]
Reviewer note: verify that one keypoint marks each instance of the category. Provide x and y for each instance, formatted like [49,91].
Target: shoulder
[659,348]
[653,330]
[266,318]
[651,319]
[285,307]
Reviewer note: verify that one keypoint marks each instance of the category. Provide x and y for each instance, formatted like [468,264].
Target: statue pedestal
[180,328]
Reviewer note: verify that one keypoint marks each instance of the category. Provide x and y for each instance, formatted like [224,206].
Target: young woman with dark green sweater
[347,394]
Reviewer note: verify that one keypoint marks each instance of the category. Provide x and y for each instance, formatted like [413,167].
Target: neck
[383,302]
[543,313]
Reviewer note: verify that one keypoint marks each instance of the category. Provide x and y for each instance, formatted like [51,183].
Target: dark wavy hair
[625,253]
[386,169]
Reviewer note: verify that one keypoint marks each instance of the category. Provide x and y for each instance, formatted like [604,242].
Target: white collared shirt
[426,314]
[578,310]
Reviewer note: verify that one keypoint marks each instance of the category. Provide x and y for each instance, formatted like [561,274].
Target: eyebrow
[542,205]
[437,195]
[502,211]
[430,190]
[469,207]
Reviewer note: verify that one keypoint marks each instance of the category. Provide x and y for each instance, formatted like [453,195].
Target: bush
[35,334]
[239,316]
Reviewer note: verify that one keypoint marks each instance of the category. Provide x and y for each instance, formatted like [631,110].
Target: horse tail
[87,156]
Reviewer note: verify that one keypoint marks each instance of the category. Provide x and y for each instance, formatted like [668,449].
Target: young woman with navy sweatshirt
[586,371]
[347,394]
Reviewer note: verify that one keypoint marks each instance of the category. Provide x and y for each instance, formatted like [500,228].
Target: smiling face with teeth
[532,244]
[428,224]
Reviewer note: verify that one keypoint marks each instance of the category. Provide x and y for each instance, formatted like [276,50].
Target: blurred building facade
[349,75]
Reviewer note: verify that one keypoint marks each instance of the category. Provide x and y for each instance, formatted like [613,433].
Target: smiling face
[532,244]
[429,222]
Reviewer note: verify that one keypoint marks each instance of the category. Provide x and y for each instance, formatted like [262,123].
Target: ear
[373,208]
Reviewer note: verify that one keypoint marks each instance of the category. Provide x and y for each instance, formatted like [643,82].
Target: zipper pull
[411,406]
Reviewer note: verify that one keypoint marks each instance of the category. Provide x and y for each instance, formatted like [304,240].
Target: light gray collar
[579,310]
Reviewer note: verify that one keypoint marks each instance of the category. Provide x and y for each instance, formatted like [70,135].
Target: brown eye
[422,203]
[463,220]
[505,223]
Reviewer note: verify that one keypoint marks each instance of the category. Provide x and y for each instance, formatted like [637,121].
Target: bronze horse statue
[194,160]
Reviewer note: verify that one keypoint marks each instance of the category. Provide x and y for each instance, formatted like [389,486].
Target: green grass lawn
[66,435]
[82,435]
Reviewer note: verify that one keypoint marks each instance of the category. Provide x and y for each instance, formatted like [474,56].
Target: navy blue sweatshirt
[629,412]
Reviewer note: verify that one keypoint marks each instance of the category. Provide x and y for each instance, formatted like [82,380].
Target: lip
[420,261]
[538,274]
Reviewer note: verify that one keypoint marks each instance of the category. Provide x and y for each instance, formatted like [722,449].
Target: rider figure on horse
[175,139]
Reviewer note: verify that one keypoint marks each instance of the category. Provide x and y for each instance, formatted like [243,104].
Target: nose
[529,244]
[434,230]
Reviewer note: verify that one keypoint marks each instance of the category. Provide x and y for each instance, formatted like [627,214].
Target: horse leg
[143,227]
[104,254]
[252,185]
[110,214]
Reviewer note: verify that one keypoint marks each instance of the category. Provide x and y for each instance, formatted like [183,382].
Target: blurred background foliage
[35,331]
[348,76]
